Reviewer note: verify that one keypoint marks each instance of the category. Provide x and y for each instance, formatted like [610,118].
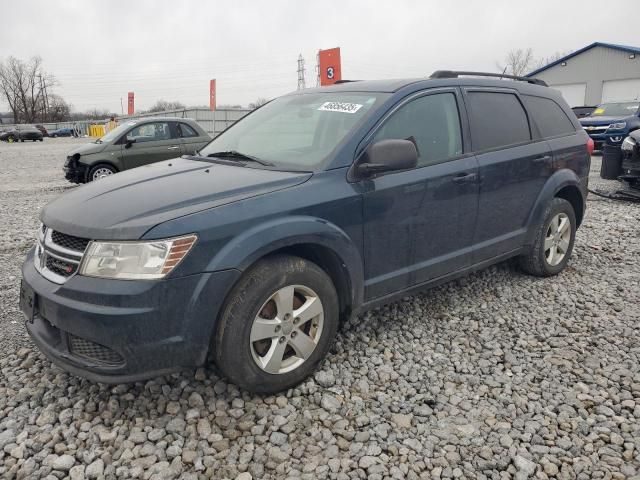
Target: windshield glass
[116,132]
[297,132]
[620,109]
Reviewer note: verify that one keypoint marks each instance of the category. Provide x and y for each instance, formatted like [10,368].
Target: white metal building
[597,73]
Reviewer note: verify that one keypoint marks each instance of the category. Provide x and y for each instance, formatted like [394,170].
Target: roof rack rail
[344,81]
[456,74]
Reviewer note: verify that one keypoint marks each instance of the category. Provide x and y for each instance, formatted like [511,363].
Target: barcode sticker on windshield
[340,107]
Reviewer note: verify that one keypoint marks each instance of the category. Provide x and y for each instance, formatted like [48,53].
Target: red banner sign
[212,94]
[329,66]
[130,106]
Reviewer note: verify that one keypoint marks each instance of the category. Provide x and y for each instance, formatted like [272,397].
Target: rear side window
[548,116]
[186,131]
[497,120]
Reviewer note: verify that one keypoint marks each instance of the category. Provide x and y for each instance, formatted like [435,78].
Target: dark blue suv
[611,123]
[313,208]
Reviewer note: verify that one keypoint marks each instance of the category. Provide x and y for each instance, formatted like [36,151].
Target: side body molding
[260,240]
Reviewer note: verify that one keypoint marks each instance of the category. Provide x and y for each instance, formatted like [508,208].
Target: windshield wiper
[233,154]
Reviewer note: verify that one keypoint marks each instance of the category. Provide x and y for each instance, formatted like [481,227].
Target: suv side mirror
[129,142]
[388,155]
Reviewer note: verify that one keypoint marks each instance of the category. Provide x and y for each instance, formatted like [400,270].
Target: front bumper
[602,139]
[118,331]
[74,171]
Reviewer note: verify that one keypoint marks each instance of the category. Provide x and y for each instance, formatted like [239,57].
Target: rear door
[153,142]
[419,223]
[190,140]
[514,165]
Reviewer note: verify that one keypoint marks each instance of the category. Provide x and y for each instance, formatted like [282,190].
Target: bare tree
[25,86]
[163,105]
[544,61]
[258,103]
[518,62]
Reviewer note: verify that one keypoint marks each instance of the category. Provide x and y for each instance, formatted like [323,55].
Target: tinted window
[151,132]
[432,123]
[548,116]
[186,130]
[497,120]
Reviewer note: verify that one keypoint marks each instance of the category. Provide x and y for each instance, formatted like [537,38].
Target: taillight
[590,146]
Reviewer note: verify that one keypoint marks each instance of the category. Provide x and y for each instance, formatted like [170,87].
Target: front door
[419,224]
[152,142]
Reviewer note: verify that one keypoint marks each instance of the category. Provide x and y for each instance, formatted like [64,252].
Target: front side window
[431,122]
[150,132]
[497,120]
[548,116]
[297,132]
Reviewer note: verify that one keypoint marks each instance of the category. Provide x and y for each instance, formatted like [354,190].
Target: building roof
[622,48]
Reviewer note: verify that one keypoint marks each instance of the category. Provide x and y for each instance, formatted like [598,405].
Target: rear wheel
[277,325]
[553,242]
[100,171]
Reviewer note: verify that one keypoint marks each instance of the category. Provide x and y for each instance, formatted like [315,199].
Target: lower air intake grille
[94,351]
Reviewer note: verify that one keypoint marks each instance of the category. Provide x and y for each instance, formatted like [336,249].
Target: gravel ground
[499,376]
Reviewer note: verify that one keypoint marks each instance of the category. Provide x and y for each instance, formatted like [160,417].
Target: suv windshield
[620,109]
[297,132]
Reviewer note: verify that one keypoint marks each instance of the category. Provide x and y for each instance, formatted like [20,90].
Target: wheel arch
[565,184]
[315,240]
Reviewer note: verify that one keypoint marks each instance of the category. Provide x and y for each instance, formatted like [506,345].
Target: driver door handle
[173,147]
[465,178]
[543,159]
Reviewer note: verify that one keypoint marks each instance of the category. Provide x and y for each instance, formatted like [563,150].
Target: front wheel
[277,324]
[100,171]
[554,241]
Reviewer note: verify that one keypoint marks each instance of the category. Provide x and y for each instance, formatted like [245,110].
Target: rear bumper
[116,331]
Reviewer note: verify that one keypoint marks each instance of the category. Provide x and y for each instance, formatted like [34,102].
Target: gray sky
[169,49]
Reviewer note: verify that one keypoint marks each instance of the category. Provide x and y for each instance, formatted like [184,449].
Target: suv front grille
[69,241]
[58,255]
[93,351]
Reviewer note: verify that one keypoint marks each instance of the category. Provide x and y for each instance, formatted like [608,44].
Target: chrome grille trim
[46,248]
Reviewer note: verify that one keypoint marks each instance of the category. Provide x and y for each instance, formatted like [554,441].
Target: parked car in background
[62,132]
[315,207]
[611,123]
[133,144]
[22,133]
[43,130]
[583,111]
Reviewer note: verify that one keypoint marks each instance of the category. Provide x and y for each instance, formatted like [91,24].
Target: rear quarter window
[497,120]
[548,116]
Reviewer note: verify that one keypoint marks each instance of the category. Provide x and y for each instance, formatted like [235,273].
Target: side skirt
[376,302]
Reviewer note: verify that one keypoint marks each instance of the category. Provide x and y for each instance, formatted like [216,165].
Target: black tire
[535,261]
[232,350]
[22,140]
[97,167]
[53,136]
[42,139]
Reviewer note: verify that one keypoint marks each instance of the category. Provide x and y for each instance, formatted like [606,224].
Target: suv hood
[88,148]
[126,205]
[592,121]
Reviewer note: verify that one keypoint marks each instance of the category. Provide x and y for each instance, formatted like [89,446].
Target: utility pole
[301,79]
[121,107]
[45,99]
[318,69]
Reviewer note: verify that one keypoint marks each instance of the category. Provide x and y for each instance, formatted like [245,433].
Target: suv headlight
[148,260]
[618,126]
[628,144]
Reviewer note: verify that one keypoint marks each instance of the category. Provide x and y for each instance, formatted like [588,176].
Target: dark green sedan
[133,144]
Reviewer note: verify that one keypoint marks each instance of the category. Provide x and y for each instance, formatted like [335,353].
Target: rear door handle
[465,178]
[543,159]
[173,147]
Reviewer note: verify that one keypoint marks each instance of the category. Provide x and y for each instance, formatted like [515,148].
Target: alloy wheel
[557,239]
[287,329]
